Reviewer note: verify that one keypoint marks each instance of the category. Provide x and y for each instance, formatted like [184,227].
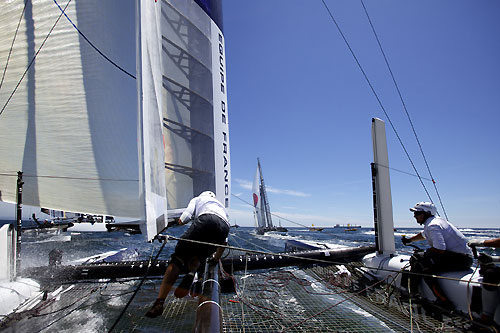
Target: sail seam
[74,178]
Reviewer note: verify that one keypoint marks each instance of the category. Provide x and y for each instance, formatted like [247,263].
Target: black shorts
[208,228]
[430,262]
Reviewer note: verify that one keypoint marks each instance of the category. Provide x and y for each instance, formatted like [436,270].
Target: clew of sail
[84,131]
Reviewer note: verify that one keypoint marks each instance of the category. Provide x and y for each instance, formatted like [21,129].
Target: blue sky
[298,101]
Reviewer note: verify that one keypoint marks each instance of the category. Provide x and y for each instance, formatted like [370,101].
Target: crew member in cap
[210,225]
[448,249]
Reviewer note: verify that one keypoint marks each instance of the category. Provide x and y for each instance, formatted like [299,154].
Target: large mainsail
[85,132]
[195,121]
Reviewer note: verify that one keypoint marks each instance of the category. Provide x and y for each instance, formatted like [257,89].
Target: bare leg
[171,274]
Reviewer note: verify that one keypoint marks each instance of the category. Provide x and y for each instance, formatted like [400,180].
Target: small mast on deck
[382,199]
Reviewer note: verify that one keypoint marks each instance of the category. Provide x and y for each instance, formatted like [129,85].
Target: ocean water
[99,317]
[77,246]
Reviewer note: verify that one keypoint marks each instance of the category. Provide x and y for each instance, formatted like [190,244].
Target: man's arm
[492,242]
[218,253]
[187,214]
[416,238]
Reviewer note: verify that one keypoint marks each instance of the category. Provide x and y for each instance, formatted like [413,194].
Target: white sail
[257,202]
[150,111]
[195,109]
[72,125]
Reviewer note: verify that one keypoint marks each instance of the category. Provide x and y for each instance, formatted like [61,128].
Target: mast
[382,199]
[19,214]
[265,201]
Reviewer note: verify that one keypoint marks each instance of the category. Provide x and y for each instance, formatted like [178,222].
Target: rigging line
[377,97]
[13,41]
[401,171]
[281,217]
[288,255]
[251,243]
[248,203]
[62,317]
[404,105]
[33,59]
[93,46]
[138,287]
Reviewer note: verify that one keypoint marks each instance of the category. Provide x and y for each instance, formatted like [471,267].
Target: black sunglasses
[418,213]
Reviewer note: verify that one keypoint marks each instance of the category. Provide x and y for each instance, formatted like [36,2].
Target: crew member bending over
[210,225]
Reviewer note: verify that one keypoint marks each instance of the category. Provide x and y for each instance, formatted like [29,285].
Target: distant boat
[280,228]
[313,228]
[347,226]
[262,212]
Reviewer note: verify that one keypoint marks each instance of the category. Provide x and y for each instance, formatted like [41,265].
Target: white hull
[88,227]
[458,286]
[13,294]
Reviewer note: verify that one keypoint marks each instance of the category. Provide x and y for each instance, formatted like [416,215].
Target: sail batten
[195,108]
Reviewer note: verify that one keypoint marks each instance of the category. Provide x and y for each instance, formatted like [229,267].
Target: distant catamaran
[262,212]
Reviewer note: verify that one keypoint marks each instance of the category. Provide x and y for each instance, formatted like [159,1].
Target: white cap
[425,207]
[207,193]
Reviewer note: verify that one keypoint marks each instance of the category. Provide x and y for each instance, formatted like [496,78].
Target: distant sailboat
[262,212]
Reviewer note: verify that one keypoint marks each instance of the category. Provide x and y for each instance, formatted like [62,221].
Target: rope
[468,294]
[377,97]
[138,287]
[323,261]
[62,317]
[242,292]
[246,240]
[34,57]
[401,171]
[411,310]
[248,203]
[13,41]
[404,107]
[281,217]
[93,46]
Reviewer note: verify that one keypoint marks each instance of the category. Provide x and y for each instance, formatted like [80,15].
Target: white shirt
[442,235]
[204,204]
